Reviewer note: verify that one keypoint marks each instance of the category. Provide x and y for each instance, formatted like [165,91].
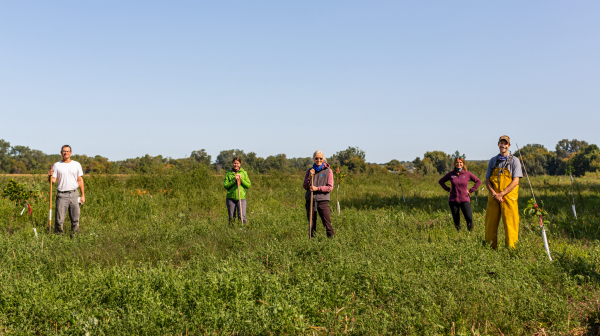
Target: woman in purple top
[459,193]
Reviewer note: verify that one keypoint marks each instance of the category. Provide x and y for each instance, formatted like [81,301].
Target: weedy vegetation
[155,255]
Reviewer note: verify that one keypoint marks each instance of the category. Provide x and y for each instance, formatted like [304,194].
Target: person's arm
[229,182]
[497,197]
[51,175]
[81,187]
[329,187]
[477,183]
[511,186]
[307,181]
[245,180]
[443,181]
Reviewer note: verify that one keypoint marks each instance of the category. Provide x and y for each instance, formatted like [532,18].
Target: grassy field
[156,255]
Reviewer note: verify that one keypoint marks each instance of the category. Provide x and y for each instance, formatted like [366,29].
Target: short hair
[63,147]
[236,159]
[319,152]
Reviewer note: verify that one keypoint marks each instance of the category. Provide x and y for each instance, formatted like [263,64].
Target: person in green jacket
[231,185]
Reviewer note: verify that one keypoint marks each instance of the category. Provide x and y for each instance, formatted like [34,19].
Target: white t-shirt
[66,175]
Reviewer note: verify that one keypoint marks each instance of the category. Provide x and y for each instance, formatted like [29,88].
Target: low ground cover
[156,255]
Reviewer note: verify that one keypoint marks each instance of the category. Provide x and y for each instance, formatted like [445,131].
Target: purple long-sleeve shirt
[460,185]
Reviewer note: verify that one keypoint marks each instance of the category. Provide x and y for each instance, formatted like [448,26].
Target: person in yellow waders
[502,180]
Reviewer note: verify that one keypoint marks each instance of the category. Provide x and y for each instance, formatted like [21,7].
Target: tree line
[570,156]
[24,160]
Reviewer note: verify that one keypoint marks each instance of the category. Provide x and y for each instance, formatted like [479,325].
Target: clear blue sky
[396,78]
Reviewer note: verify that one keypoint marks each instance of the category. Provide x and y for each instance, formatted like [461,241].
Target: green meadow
[156,256]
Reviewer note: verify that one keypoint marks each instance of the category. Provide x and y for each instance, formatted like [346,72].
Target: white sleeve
[79,170]
[55,173]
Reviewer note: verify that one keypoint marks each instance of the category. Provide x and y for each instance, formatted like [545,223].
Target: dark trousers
[322,208]
[233,208]
[465,207]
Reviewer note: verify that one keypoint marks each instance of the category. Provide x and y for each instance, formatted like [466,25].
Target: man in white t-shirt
[68,176]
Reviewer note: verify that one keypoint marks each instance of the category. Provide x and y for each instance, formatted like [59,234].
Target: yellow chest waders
[507,210]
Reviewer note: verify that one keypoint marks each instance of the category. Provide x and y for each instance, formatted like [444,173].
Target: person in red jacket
[459,193]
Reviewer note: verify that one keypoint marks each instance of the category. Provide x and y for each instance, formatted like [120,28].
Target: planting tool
[50,206]
[239,183]
[545,239]
[310,217]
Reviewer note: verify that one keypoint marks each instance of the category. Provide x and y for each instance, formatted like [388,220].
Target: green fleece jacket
[231,185]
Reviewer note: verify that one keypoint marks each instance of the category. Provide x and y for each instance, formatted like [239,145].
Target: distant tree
[477,169]
[254,162]
[440,160]
[149,164]
[302,164]
[4,156]
[374,168]
[566,147]
[356,164]
[586,160]
[392,164]
[418,164]
[342,157]
[427,167]
[395,165]
[18,167]
[408,164]
[224,158]
[200,157]
[277,162]
[537,159]
[100,165]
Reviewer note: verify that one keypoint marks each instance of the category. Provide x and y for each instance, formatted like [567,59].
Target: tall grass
[163,260]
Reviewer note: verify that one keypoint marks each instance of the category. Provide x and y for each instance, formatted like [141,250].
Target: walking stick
[310,220]
[50,207]
[239,182]
[544,238]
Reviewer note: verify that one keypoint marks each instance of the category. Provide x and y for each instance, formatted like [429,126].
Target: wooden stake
[50,207]
[310,220]
[239,182]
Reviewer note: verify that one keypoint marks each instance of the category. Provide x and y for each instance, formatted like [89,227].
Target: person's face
[65,153]
[319,159]
[503,145]
[236,165]
[459,164]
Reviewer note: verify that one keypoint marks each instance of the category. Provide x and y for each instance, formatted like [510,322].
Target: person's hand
[313,188]
[238,177]
[50,172]
[82,199]
[498,198]
[312,172]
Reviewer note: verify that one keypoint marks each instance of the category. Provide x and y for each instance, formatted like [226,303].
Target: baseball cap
[504,137]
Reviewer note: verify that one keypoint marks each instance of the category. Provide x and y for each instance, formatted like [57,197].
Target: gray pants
[232,208]
[66,201]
